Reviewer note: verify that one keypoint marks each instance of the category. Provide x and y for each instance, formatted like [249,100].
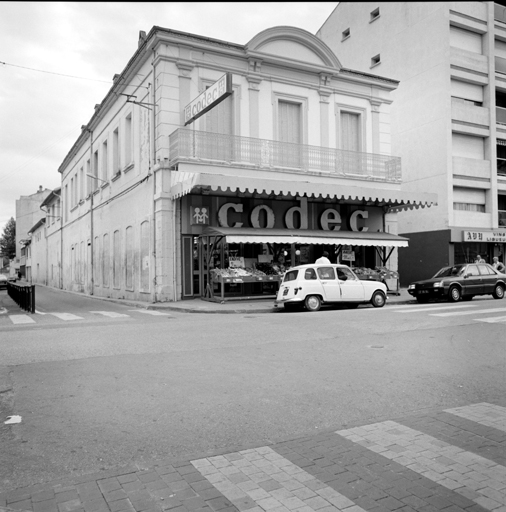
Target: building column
[375,121]
[254,102]
[167,242]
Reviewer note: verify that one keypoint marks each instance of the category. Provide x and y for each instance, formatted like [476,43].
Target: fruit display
[365,273]
[261,270]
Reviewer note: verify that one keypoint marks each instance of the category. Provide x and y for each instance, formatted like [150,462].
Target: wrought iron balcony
[260,154]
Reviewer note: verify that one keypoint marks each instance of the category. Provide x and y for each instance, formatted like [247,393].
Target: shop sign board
[204,102]
[484,236]
[348,255]
[236,262]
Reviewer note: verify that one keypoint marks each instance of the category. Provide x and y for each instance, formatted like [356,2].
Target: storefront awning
[183,183]
[306,236]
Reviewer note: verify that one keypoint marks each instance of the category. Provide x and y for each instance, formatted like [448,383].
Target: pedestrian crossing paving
[380,466]
[26,319]
[452,460]
[454,310]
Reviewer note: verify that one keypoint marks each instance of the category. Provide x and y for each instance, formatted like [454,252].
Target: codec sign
[213,95]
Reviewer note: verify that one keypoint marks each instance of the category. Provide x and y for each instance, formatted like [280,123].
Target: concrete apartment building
[448,118]
[207,155]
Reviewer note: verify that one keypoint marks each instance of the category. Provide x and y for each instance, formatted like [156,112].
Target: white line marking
[21,319]
[436,308]
[66,316]
[110,314]
[151,312]
[491,320]
[475,312]
[40,312]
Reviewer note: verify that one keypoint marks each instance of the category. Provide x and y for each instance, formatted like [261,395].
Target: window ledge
[344,38]
[375,65]
[105,185]
[376,18]
[129,167]
[116,176]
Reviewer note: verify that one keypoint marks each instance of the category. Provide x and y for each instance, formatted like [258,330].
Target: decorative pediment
[293,43]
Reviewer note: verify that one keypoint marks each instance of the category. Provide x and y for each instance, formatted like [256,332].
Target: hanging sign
[213,95]
[348,255]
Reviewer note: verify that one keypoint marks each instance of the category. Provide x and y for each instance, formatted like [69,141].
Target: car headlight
[439,285]
[411,287]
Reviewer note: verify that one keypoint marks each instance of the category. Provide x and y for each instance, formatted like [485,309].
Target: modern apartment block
[448,118]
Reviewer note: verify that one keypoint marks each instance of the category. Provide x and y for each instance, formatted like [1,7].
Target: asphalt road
[110,390]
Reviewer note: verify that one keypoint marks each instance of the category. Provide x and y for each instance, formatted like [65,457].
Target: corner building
[210,167]
[448,118]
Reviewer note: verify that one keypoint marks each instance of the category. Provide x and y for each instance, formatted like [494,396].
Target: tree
[8,240]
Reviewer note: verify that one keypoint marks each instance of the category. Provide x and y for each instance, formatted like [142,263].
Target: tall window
[290,125]
[105,161]
[105,260]
[128,140]
[144,260]
[88,177]
[115,151]
[289,131]
[95,170]
[116,264]
[82,192]
[129,248]
[350,131]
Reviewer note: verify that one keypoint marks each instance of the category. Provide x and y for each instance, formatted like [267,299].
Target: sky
[57,60]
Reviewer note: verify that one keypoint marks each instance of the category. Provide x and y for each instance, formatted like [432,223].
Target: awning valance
[306,236]
[183,183]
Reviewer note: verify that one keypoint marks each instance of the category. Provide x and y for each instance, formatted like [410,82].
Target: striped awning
[183,183]
[306,237]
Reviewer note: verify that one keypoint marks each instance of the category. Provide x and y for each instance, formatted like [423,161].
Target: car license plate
[424,291]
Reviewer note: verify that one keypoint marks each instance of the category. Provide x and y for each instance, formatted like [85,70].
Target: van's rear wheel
[313,303]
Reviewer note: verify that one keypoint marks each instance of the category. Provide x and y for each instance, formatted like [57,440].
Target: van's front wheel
[313,303]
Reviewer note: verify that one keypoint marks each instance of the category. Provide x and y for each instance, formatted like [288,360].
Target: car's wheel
[455,294]
[378,299]
[313,303]
[422,300]
[498,291]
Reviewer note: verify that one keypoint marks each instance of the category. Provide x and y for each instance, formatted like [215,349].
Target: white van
[314,285]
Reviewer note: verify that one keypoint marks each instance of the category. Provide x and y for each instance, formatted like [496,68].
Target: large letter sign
[255,216]
[302,209]
[331,220]
[353,220]
[223,215]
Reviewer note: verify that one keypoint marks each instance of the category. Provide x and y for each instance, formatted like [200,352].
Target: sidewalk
[239,306]
[445,460]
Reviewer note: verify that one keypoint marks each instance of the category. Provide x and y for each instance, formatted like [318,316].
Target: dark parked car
[460,282]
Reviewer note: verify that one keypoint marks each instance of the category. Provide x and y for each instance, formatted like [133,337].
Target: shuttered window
[350,131]
[289,115]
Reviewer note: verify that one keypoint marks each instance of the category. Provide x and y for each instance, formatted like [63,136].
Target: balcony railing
[189,146]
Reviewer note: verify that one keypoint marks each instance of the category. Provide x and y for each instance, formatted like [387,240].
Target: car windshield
[456,270]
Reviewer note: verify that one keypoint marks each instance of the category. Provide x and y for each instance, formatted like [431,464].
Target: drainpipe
[152,164]
[92,279]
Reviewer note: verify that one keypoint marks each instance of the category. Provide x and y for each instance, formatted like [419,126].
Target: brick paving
[451,460]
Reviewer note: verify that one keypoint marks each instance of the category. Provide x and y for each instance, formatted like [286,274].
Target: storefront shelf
[241,281]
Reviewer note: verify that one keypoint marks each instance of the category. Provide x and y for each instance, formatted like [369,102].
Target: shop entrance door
[191,266]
